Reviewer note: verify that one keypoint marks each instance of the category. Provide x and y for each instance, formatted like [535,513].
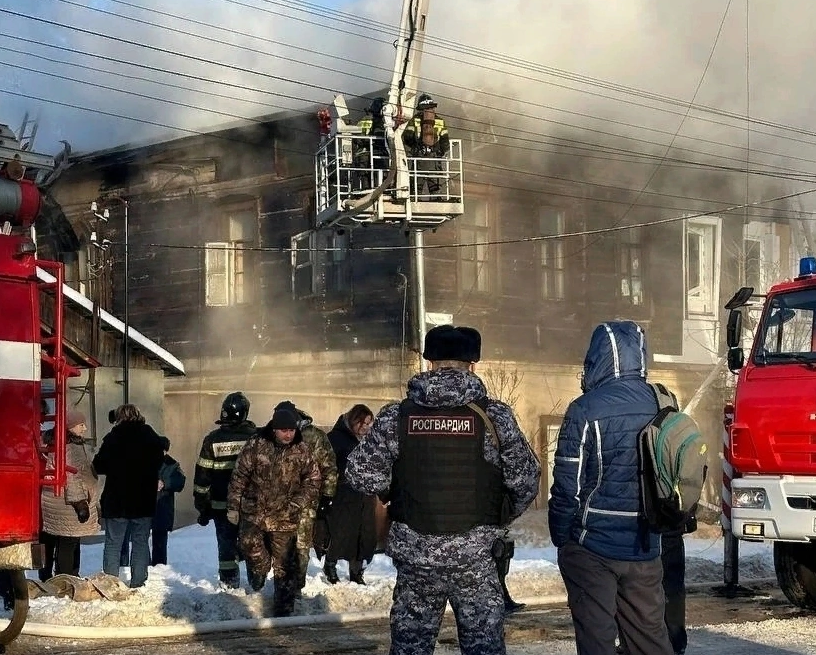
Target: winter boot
[510,605]
[330,569]
[230,579]
[356,572]
[256,581]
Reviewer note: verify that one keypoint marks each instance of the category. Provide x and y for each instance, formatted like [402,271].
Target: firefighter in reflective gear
[323,454]
[213,470]
[371,153]
[456,469]
[427,142]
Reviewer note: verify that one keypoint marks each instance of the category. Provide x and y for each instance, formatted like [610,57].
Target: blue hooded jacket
[595,496]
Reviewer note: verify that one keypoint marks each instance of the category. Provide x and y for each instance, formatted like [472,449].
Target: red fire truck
[772,445]
[33,376]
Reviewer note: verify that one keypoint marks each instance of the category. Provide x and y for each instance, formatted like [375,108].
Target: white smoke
[651,45]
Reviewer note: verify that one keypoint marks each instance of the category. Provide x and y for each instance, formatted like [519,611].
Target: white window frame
[228,271]
[703,299]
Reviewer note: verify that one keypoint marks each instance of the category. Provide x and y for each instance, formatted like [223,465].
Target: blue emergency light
[807,266]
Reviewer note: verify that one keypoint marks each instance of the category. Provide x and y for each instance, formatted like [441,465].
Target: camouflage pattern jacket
[273,484]
[369,468]
[213,470]
[323,454]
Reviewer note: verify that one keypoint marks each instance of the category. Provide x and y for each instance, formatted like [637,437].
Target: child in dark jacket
[171,482]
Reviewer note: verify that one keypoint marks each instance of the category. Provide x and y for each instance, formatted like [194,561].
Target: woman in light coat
[72,514]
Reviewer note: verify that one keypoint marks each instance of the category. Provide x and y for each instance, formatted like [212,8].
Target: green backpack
[673,462]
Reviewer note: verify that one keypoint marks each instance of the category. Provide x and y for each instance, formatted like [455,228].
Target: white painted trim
[137,337]
[20,360]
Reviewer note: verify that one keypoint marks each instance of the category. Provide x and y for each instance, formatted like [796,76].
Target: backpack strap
[665,398]
[494,436]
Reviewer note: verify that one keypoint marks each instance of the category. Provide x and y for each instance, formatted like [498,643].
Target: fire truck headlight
[749,498]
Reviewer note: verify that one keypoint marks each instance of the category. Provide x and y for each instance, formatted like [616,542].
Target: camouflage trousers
[305,536]
[420,595]
[264,550]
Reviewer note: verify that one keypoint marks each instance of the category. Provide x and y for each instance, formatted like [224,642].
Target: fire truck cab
[772,439]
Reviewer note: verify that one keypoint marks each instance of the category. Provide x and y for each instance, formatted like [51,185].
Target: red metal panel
[20,409]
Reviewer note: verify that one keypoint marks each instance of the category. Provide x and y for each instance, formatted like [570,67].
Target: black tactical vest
[441,483]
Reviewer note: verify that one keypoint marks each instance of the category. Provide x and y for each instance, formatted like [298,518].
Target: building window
[320,263]
[701,262]
[227,264]
[474,270]
[752,254]
[338,263]
[630,266]
[552,222]
[303,265]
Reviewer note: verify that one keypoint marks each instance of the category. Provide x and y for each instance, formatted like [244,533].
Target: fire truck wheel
[18,618]
[795,565]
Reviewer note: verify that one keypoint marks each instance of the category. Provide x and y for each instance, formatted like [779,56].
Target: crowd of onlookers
[137,503]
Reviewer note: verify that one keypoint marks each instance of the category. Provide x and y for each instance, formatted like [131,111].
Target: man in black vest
[456,469]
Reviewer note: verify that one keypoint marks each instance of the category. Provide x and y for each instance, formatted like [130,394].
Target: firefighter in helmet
[426,140]
[372,153]
[213,470]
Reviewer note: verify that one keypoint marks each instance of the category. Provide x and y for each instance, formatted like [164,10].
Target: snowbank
[186,591]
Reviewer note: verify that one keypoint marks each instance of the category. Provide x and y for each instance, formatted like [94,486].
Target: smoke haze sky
[305,52]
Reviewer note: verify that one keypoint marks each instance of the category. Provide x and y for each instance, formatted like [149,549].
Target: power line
[349,74]
[483,54]
[468,120]
[679,127]
[499,242]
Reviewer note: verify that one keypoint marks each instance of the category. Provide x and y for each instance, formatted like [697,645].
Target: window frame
[551,260]
[630,267]
[477,268]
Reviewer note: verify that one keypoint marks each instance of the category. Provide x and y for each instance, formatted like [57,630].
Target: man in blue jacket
[609,565]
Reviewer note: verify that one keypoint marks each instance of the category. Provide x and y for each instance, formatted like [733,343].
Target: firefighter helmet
[425,101]
[234,409]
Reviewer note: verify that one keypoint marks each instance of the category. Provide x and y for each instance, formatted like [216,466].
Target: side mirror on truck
[733,337]
[733,330]
[736,359]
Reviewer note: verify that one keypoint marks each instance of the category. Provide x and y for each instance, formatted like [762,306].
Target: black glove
[203,519]
[324,505]
[83,511]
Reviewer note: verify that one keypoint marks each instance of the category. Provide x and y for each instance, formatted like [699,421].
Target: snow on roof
[169,363]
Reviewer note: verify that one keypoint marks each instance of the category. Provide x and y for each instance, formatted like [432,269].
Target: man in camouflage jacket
[275,480]
[323,454]
[441,490]
[213,470]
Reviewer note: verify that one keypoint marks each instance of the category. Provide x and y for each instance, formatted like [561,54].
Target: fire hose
[245,625]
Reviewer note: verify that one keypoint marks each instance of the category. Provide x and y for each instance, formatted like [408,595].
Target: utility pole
[419,282]
[125,288]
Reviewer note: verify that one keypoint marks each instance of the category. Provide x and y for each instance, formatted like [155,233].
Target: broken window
[320,263]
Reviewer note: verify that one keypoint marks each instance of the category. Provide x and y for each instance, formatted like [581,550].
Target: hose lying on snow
[236,625]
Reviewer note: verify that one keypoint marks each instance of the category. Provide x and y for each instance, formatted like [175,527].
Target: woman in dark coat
[171,482]
[129,458]
[351,517]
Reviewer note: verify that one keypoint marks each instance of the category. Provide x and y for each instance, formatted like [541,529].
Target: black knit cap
[459,344]
[283,419]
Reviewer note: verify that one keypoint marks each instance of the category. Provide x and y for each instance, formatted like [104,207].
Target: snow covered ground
[186,591]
